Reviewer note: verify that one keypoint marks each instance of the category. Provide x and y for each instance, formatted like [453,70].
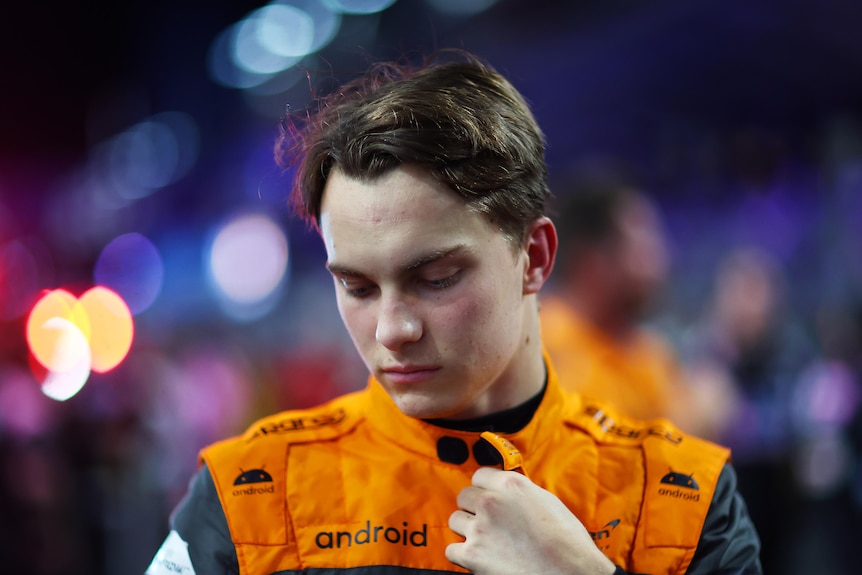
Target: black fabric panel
[729,544]
[201,522]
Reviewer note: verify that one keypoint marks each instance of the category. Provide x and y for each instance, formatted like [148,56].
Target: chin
[421,407]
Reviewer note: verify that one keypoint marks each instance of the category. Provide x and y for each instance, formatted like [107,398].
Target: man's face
[640,257]
[430,292]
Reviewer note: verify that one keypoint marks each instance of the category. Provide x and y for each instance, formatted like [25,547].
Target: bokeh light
[49,342]
[285,30]
[132,266]
[151,154]
[250,53]
[359,6]
[70,337]
[222,65]
[71,360]
[270,41]
[326,22]
[112,327]
[248,262]
[142,159]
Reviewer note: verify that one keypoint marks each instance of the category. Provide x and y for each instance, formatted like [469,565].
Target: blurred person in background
[749,338]
[612,266]
[826,416]
[429,187]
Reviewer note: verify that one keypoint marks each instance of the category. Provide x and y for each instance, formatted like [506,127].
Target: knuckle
[513,481]
[487,501]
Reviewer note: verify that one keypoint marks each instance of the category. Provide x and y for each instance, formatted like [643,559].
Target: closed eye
[444,283]
[356,289]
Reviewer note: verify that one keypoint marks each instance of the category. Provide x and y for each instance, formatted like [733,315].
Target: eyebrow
[429,258]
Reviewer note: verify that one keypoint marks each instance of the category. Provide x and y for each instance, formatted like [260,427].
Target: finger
[460,521]
[494,479]
[454,554]
[487,477]
[468,498]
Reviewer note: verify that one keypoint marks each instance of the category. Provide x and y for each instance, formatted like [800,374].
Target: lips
[406,374]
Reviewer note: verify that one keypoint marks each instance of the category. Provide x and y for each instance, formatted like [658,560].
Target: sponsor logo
[372,535]
[289,424]
[681,480]
[602,537]
[608,425]
[171,566]
[605,531]
[172,558]
[686,487]
[251,477]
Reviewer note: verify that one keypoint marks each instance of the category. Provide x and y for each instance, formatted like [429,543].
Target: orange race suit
[639,377]
[355,487]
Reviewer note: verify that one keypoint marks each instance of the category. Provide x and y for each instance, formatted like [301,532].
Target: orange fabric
[638,378]
[356,483]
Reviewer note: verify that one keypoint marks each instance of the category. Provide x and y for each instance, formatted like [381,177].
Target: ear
[541,248]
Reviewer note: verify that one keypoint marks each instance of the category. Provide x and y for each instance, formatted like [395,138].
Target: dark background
[741,118]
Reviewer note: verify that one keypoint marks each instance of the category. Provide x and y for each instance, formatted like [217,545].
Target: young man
[429,188]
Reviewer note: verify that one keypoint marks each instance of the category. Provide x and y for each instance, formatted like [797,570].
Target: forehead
[400,214]
[393,194]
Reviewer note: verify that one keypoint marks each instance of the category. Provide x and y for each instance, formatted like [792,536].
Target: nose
[397,324]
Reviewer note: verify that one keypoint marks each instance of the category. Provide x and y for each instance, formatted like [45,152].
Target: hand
[513,526]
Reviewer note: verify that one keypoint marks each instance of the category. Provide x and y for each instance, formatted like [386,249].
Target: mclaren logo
[686,488]
[245,483]
[605,531]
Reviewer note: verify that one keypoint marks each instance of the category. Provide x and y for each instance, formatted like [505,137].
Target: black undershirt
[506,421]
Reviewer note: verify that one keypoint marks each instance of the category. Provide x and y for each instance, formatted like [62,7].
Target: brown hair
[453,115]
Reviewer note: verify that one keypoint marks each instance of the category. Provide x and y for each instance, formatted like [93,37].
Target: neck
[525,374]
[507,421]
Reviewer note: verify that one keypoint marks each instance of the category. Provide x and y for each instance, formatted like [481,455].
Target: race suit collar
[422,437]
[507,421]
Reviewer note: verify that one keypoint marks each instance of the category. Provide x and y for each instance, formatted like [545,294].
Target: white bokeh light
[250,54]
[270,41]
[248,260]
[359,6]
[71,363]
[285,30]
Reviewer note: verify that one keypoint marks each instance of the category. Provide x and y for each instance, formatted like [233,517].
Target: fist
[510,525]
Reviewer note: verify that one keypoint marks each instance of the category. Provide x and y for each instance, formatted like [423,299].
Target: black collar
[506,421]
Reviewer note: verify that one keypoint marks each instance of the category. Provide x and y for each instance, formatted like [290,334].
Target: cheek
[462,315]
[358,320]
[477,317]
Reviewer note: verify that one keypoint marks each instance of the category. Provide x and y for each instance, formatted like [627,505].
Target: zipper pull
[510,458]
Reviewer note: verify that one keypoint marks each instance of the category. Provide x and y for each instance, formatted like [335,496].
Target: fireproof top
[355,487]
